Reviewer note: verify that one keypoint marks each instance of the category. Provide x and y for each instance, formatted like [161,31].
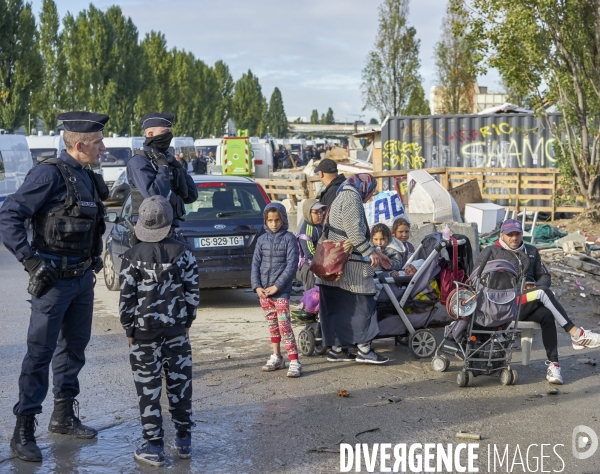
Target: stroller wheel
[422,343]
[515,377]
[506,377]
[320,349]
[306,342]
[463,379]
[470,378]
[440,363]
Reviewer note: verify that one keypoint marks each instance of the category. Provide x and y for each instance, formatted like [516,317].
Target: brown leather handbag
[330,256]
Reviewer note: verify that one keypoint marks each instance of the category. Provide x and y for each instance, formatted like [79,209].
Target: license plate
[229,241]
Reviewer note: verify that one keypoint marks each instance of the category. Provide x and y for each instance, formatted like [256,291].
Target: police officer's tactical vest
[179,191]
[74,228]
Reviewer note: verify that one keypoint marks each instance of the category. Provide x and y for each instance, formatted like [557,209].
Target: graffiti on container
[500,129]
[400,154]
[464,135]
[423,130]
[509,153]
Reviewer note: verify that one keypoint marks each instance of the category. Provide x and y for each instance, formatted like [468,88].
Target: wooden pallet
[293,189]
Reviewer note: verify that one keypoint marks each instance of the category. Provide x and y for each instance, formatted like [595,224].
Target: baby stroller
[310,340]
[485,312]
[400,313]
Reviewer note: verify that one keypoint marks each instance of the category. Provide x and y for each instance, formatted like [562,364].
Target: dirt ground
[248,421]
[588,222]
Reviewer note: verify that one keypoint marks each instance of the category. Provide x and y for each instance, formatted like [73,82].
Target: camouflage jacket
[159,288]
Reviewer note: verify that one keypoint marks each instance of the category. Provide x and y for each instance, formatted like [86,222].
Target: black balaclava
[160,142]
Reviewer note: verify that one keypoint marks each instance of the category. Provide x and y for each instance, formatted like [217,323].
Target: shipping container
[477,141]
[470,141]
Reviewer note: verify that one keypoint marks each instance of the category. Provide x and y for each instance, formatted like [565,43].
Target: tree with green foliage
[224,109]
[49,101]
[21,66]
[125,79]
[277,120]
[417,104]
[392,69]
[455,69]
[329,118]
[248,103]
[550,51]
[314,117]
[105,65]
[156,94]
[373,121]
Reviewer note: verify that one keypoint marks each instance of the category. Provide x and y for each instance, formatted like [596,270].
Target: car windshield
[226,201]
[205,150]
[115,156]
[40,154]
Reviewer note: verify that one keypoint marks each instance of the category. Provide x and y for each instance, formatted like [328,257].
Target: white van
[45,146]
[207,145]
[116,156]
[262,156]
[184,145]
[15,163]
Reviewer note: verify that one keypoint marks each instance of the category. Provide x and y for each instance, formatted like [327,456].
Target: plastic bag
[310,300]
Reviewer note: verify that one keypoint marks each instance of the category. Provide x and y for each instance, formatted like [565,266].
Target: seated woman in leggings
[539,303]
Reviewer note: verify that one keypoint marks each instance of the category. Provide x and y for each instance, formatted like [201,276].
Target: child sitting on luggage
[381,238]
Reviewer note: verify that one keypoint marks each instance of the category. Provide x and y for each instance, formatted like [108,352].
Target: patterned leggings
[277,312]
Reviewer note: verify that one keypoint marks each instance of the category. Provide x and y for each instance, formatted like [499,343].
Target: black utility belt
[73,270]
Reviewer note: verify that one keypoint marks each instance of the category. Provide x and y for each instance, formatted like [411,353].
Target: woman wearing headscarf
[347,306]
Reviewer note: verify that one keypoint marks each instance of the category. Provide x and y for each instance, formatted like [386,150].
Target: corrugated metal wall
[479,141]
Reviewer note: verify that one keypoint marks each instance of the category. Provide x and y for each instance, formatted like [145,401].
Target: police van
[114,159]
[15,163]
[45,146]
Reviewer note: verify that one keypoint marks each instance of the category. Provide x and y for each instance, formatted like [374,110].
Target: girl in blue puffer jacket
[273,268]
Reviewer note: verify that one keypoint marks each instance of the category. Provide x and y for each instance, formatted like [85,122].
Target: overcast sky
[313,50]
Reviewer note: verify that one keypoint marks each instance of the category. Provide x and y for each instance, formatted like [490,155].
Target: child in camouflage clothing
[159,297]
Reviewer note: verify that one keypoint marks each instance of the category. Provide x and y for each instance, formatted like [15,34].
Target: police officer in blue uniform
[156,172]
[63,198]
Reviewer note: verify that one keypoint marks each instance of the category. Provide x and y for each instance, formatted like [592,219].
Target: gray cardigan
[348,215]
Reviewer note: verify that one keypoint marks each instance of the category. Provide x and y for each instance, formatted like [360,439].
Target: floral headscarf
[364,183]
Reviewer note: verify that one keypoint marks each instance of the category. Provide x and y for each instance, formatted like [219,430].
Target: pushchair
[310,340]
[485,311]
[400,313]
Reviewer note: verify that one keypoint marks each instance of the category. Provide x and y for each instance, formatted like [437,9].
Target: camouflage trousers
[147,359]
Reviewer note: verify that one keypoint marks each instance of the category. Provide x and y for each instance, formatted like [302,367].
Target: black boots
[23,440]
[64,420]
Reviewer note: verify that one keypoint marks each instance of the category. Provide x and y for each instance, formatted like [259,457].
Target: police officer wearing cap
[63,198]
[155,172]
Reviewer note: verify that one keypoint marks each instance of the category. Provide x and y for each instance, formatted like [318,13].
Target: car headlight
[120,180]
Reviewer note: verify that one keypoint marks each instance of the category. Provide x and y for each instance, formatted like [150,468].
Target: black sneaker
[343,356]
[371,358]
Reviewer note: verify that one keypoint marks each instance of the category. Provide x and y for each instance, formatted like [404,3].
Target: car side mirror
[112,217]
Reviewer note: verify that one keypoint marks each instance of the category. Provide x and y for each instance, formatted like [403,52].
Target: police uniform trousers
[148,358]
[59,331]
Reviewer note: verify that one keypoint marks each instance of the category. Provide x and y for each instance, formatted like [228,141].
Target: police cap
[157,119]
[83,122]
